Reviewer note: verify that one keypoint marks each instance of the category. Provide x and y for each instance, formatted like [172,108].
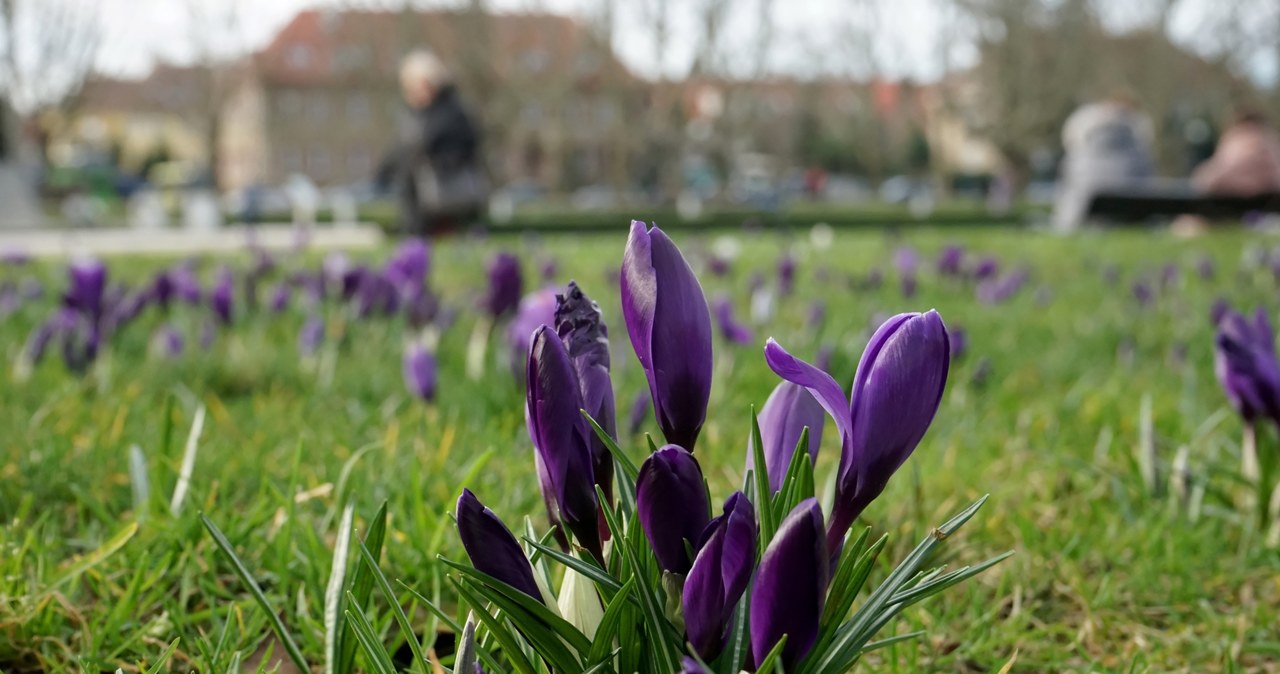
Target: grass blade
[333,592]
[375,653]
[139,481]
[188,463]
[362,586]
[397,611]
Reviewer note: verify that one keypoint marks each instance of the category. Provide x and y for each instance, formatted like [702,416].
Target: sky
[807,35]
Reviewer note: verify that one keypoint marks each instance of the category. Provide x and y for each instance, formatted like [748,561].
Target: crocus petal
[670,328]
[671,501]
[491,547]
[824,389]
[791,586]
[719,576]
[788,411]
[559,433]
[420,371]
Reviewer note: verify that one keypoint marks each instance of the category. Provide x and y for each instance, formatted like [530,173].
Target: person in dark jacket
[436,169]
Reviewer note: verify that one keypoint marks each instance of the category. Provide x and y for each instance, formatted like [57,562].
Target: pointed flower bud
[719,576]
[553,407]
[88,288]
[1246,365]
[671,501]
[670,329]
[505,285]
[491,547]
[791,587]
[895,395]
[785,415]
[730,329]
[419,369]
[586,338]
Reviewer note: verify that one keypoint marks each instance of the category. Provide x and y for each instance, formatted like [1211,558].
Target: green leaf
[585,566]
[602,648]
[547,641]
[277,625]
[772,662]
[86,562]
[763,494]
[334,592]
[362,587]
[397,611]
[167,653]
[514,602]
[508,641]
[375,653]
[889,641]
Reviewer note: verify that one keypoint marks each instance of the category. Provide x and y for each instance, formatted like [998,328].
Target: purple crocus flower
[718,265]
[786,274]
[581,327]
[719,575]
[220,299]
[895,394]
[407,268]
[988,267]
[817,314]
[492,548]
[671,502]
[1143,293]
[788,411]
[561,439]
[505,285]
[1169,275]
[730,329]
[998,290]
[908,262]
[1220,308]
[1246,366]
[88,289]
[791,587]
[875,278]
[169,341]
[670,329]
[280,296]
[536,309]
[959,342]
[1206,268]
[951,260]
[419,369]
[311,335]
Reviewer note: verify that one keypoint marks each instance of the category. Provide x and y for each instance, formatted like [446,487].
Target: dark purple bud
[909,285]
[220,299]
[788,411]
[311,336]
[791,587]
[419,370]
[895,394]
[998,290]
[163,289]
[1206,268]
[1246,366]
[186,286]
[730,329]
[505,285]
[719,576]
[88,288]
[549,269]
[959,342]
[951,261]
[536,309]
[670,329]
[671,502]
[718,265]
[1143,293]
[1169,275]
[1221,307]
[907,261]
[423,308]
[987,268]
[280,296]
[407,269]
[492,548]
[581,327]
[817,314]
[786,274]
[639,411]
[169,341]
[561,439]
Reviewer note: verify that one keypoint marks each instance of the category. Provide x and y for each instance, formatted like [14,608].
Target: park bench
[1138,203]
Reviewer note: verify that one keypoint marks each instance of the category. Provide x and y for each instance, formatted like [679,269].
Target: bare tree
[217,41]
[46,50]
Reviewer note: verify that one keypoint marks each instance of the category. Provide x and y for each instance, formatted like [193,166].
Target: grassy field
[1042,412]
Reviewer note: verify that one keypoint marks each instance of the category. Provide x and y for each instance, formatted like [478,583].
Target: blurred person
[1108,146]
[1246,162]
[436,169]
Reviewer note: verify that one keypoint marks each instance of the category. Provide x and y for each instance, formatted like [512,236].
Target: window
[298,56]
[358,108]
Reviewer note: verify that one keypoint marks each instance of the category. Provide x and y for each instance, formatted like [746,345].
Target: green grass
[1106,577]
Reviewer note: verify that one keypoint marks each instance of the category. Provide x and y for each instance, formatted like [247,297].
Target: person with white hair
[436,169]
[1108,146]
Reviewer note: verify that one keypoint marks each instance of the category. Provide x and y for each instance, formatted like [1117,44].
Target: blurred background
[116,112]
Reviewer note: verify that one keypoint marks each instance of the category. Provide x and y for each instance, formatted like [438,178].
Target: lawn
[1042,412]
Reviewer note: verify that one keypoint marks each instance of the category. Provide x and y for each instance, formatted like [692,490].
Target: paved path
[106,242]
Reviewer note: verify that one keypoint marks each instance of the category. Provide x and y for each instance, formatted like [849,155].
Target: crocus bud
[88,287]
[221,297]
[786,274]
[785,415]
[407,268]
[492,548]
[670,329]
[732,331]
[586,339]
[671,501]
[1246,366]
[561,444]
[951,260]
[791,587]
[690,666]
[311,335]
[719,576]
[280,296]
[536,309]
[895,394]
[505,284]
[168,341]
[420,371]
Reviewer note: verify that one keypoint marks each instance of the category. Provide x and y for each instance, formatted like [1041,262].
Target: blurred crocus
[311,335]
[959,342]
[895,394]
[492,548]
[691,666]
[581,327]
[671,502]
[1206,268]
[998,290]
[817,314]
[536,309]
[730,329]
[786,274]
[561,440]
[788,411]
[718,265]
[951,261]
[163,289]
[639,411]
[1169,275]
[986,268]
[908,262]
[791,587]
[419,369]
[222,296]
[168,341]
[1246,366]
[875,278]
[1143,293]
[407,268]
[87,288]
[280,296]
[719,576]
[549,269]
[670,329]
[1219,309]
[506,285]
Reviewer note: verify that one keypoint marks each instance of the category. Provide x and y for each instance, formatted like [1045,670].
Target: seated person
[1246,162]
[1108,146]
